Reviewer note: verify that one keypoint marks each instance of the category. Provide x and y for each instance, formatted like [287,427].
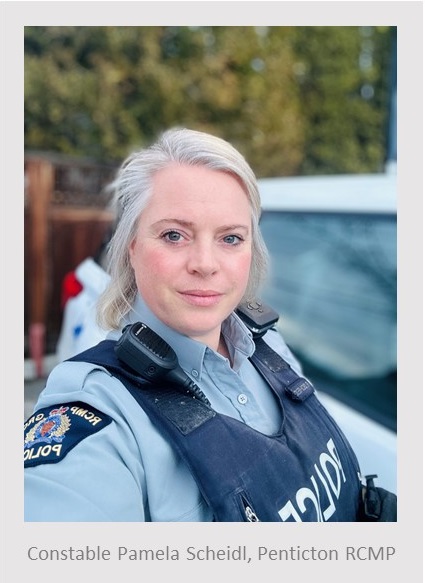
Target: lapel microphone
[146,353]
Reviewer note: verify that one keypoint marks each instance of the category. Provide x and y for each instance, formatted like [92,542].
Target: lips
[203,298]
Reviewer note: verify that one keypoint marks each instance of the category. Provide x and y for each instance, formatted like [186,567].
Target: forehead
[188,175]
[184,184]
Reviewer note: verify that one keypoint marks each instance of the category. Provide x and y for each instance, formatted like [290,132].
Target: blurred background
[299,102]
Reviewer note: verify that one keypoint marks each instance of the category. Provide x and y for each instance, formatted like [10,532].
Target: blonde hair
[132,190]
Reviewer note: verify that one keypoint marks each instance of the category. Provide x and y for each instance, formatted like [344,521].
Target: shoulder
[93,384]
[78,381]
[79,401]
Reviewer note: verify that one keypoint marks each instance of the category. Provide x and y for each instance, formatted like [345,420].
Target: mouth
[202,298]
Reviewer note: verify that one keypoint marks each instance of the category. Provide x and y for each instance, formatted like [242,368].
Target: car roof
[342,193]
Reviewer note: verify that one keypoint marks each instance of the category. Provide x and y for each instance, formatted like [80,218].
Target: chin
[204,327]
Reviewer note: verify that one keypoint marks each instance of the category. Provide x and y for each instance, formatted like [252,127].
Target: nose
[202,259]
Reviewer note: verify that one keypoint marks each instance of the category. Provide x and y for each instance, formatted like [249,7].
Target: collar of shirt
[191,353]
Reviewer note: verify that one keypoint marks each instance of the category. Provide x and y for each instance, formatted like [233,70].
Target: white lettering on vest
[331,476]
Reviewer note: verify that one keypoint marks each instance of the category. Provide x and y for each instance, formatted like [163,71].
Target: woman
[255,444]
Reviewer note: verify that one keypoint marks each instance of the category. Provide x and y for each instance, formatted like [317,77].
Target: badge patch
[51,433]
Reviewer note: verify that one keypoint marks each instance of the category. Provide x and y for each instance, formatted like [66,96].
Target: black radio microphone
[144,351]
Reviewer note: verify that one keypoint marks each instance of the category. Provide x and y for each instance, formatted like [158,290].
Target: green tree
[293,99]
[343,77]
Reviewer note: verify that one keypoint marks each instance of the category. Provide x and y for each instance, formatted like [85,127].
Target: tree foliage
[294,100]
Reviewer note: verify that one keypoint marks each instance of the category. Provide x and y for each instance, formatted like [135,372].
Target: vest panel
[305,473]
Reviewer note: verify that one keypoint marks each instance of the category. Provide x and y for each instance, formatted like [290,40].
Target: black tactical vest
[307,472]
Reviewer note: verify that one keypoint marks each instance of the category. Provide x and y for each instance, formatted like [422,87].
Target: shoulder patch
[52,432]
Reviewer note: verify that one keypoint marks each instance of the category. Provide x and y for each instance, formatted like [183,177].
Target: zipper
[250,515]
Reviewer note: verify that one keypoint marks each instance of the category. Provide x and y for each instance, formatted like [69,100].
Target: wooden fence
[66,220]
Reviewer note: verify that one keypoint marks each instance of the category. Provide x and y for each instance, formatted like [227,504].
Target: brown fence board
[61,229]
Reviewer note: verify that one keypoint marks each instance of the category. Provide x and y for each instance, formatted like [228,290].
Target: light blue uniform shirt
[127,471]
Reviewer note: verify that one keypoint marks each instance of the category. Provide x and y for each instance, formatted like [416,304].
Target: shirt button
[243,399]
[195,373]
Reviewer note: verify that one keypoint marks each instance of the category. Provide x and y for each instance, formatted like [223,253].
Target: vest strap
[265,358]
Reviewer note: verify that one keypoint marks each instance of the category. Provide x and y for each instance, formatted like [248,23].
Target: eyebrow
[190,224]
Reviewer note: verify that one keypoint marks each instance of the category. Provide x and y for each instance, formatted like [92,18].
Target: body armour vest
[307,472]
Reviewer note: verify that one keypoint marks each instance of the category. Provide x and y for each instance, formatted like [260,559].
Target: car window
[333,280]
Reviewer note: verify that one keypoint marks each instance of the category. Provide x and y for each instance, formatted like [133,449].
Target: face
[192,251]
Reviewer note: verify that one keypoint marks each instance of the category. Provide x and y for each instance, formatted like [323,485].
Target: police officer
[253,443]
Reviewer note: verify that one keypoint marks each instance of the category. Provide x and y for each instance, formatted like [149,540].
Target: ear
[132,251]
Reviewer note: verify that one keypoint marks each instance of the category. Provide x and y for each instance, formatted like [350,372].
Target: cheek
[145,260]
[245,265]
[240,271]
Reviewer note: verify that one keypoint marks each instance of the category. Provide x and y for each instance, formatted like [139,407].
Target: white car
[332,242]
[333,280]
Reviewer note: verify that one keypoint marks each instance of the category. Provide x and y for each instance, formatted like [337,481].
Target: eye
[232,239]
[172,236]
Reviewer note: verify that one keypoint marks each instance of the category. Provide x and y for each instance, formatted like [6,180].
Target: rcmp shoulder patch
[52,432]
